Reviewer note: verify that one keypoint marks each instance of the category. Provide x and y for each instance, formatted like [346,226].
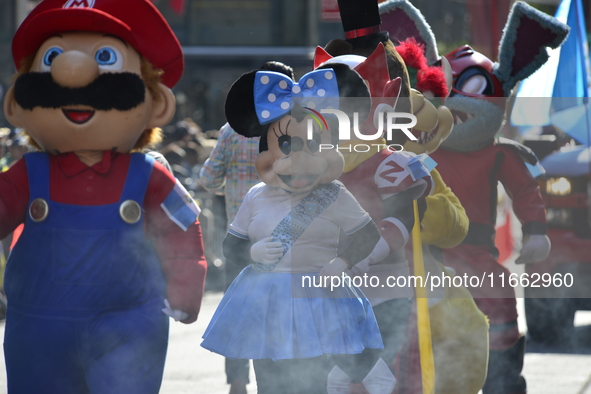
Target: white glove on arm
[176,314]
[535,248]
[266,251]
[379,253]
[335,268]
[360,268]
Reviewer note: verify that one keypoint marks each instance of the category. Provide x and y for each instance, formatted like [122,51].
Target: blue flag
[561,83]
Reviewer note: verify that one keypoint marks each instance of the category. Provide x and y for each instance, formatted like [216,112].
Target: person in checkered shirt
[230,171]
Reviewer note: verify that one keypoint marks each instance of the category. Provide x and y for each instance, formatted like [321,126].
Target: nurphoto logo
[345,129]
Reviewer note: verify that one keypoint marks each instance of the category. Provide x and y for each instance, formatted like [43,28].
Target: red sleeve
[180,252]
[14,197]
[524,190]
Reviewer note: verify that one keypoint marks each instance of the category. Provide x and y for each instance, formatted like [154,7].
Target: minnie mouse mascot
[287,232]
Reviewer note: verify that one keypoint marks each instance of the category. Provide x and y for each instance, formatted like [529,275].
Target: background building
[224,38]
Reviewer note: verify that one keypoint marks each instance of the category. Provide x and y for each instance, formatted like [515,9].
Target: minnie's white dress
[280,311]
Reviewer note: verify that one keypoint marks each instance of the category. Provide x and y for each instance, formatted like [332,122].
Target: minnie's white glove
[379,253]
[176,314]
[335,268]
[535,248]
[266,251]
[360,268]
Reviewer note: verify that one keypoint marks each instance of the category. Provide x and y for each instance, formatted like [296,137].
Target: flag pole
[423,319]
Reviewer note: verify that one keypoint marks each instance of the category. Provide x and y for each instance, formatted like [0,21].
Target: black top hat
[359,17]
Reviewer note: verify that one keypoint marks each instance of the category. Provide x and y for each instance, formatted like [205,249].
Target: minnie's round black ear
[353,91]
[240,111]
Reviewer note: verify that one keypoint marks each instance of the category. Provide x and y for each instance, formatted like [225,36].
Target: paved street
[191,369]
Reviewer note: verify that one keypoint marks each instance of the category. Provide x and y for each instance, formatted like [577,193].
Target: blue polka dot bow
[275,94]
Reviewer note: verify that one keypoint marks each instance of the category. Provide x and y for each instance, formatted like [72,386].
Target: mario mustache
[119,91]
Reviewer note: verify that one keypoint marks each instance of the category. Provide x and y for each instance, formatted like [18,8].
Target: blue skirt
[271,315]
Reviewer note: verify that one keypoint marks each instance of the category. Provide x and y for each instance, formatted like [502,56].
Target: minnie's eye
[51,54]
[314,143]
[285,144]
[109,58]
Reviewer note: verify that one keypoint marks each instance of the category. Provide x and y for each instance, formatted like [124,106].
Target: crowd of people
[13,146]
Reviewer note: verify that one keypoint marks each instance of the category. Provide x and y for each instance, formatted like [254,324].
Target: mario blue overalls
[85,293]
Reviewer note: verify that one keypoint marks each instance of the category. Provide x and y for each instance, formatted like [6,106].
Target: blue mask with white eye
[109,58]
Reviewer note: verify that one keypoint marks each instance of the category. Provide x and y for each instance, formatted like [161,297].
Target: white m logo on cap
[79,4]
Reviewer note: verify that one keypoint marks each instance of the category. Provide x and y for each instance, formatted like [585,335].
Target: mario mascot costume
[111,243]
[472,162]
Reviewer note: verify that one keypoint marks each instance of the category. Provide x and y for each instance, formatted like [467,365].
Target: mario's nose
[74,69]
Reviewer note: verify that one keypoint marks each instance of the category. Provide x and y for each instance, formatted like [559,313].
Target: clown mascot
[111,243]
[384,182]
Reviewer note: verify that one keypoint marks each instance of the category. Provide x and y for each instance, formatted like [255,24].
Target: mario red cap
[137,22]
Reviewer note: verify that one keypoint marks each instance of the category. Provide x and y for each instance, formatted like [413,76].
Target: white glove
[379,253]
[335,268]
[535,248]
[266,251]
[176,314]
[360,268]
[451,271]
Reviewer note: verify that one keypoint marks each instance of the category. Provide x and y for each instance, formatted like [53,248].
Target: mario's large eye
[48,57]
[285,144]
[109,58]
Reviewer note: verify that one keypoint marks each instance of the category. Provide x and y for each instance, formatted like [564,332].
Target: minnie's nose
[74,69]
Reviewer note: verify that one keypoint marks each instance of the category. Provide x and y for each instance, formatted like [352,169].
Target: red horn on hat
[320,56]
